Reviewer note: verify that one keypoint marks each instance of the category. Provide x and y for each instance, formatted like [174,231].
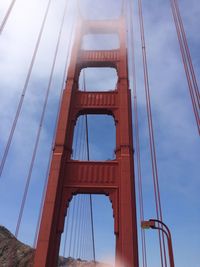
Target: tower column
[114,178]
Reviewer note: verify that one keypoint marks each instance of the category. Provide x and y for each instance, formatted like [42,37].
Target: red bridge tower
[114,178]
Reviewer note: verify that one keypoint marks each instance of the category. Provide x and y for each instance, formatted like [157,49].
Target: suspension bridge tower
[114,178]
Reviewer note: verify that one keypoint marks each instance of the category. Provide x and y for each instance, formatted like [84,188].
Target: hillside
[13,253]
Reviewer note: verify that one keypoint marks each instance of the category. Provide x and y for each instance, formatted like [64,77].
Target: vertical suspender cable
[84,147]
[75,216]
[72,225]
[187,61]
[123,7]
[66,232]
[53,140]
[77,254]
[90,196]
[81,122]
[138,158]
[65,70]
[151,134]
[88,158]
[76,140]
[83,143]
[3,23]
[76,225]
[84,236]
[24,91]
[87,247]
[40,126]
[82,230]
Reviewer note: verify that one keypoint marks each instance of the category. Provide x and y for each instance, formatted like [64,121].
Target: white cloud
[175,130]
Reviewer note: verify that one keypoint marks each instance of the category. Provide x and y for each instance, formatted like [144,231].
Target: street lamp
[157,224]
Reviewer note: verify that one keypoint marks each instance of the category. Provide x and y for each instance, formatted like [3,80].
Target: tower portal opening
[98,79]
[101,138]
[84,224]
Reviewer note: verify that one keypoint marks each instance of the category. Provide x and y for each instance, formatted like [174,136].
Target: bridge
[97,127]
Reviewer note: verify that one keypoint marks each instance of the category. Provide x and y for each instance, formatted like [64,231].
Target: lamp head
[148,224]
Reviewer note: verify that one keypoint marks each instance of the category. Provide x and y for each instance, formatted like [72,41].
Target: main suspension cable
[193,75]
[151,134]
[187,61]
[5,154]
[40,125]
[4,21]
[138,157]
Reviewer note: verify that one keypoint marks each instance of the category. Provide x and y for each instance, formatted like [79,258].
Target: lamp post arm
[169,240]
[163,224]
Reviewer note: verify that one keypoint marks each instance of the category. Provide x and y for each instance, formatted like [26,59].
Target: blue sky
[177,140]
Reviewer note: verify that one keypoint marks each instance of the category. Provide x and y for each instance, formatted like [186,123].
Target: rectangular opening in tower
[98,79]
[85,223]
[101,138]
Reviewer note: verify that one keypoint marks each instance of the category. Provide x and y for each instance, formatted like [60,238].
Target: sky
[176,135]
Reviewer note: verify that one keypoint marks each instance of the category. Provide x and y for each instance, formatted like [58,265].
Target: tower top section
[84,54]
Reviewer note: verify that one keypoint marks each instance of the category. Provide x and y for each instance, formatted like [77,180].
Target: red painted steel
[113,178]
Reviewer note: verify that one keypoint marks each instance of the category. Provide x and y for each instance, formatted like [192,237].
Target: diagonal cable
[40,125]
[5,154]
[4,21]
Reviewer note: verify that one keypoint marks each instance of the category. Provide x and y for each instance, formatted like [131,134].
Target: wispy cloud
[177,141]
